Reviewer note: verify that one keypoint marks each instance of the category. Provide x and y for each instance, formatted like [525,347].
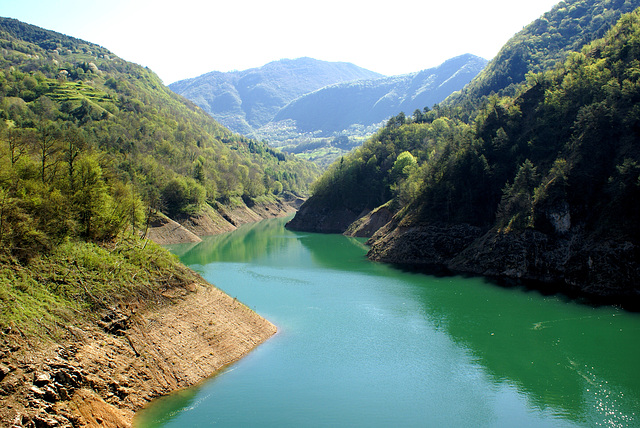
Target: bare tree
[19,142]
[74,144]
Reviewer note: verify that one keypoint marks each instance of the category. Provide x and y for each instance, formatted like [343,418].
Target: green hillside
[541,44]
[542,185]
[93,146]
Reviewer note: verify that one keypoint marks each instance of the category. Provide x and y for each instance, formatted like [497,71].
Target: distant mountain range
[246,100]
[310,104]
[366,102]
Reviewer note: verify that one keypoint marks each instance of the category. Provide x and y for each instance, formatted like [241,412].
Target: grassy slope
[77,281]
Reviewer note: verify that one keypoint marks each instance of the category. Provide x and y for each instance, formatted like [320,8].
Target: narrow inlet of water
[364,344]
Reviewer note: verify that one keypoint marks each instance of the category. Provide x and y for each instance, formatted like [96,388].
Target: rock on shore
[606,270]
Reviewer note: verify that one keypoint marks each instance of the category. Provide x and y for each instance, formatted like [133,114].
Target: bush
[183,195]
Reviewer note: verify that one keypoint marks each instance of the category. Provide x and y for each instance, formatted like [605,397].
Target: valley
[319,110]
[524,170]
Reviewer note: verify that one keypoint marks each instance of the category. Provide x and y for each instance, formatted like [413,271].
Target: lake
[362,344]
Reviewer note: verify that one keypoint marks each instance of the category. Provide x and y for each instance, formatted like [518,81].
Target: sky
[187,38]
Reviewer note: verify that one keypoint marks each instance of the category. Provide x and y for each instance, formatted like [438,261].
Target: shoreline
[98,379]
[95,376]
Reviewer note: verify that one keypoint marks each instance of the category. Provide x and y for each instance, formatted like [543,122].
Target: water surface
[364,344]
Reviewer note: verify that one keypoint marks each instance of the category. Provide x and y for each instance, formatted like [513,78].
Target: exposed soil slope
[210,221]
[100,375]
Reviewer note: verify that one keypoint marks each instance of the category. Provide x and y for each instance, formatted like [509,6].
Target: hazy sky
[186,38]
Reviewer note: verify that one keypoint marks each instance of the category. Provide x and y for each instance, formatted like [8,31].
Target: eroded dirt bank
[99,375]
[212,221]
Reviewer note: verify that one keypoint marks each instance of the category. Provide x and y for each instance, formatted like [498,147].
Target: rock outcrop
[163,230]
[370,223]
[315,217]
[431,245]
[561,259]
[572,263]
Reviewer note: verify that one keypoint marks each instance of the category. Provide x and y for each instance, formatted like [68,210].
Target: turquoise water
[361,344]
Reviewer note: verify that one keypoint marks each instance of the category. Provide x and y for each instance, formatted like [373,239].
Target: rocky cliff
[574,263]
[563,260]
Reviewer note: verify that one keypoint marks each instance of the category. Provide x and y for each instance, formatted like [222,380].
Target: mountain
[96,155]
[97,152]
[542,185]
[544,42]
[246,100]
[320,110]
[367,102]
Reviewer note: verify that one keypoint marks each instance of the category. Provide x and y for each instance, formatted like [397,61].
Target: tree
[516,207]
[183,195]
[19,142]
[401,118]
[90,198]
[403,166]
[47,134]
[127,209]
[198,170]
[74,145]
[276,187]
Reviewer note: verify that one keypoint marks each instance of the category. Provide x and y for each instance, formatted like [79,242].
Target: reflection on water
[247,243]
[364,344]
[561,355]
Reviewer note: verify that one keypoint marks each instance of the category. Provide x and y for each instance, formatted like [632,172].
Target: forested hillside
[93,147]
[541,44]
[542,185]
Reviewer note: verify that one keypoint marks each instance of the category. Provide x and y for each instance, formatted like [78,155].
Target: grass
[28,306]
[76,92]
[63,91]
[79,280]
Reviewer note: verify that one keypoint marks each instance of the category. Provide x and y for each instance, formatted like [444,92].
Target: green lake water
[362,344]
